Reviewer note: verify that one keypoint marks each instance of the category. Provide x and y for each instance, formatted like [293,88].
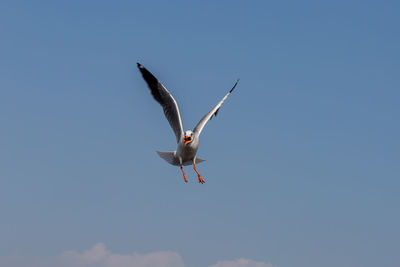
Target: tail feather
[199,160]
[171,159]
[168,157]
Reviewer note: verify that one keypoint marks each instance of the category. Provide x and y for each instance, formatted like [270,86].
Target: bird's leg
[184,175]
[198,174]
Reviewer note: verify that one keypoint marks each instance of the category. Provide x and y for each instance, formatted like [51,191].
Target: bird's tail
[168,157]
[199,160]
[171,159]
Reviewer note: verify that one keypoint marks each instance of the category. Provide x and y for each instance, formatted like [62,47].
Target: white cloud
[242,263]
[99,256]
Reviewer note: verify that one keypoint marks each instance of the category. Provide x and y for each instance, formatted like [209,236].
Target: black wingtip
[234,86]
[139,65]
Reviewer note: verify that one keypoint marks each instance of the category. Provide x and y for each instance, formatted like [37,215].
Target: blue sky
[302,160]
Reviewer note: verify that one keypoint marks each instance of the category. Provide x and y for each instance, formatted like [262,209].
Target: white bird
[188,141]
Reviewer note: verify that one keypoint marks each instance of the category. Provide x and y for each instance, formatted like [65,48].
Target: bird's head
[188,137]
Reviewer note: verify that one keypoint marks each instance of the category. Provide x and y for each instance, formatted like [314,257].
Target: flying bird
[188,141]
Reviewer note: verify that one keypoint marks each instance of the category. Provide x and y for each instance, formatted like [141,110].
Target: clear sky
[302,162]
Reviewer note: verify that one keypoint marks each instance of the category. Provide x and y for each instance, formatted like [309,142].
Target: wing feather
[212,113]
[166,100]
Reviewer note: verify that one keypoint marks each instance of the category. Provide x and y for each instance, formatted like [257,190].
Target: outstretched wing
[168,103]
[199,127]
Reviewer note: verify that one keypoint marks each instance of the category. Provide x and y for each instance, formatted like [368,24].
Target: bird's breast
[187,152]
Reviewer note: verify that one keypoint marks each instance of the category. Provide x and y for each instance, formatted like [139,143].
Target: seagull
[188,141]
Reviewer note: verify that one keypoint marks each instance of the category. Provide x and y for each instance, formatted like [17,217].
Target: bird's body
[183,153]
[188,152]
[188,141]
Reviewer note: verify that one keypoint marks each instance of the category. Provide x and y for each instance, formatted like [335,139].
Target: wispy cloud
[99,256]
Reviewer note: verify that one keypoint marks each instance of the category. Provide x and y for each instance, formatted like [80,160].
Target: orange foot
[184,175]
[201,180]
[198,174]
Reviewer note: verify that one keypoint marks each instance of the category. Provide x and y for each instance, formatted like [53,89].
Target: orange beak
[187,139]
